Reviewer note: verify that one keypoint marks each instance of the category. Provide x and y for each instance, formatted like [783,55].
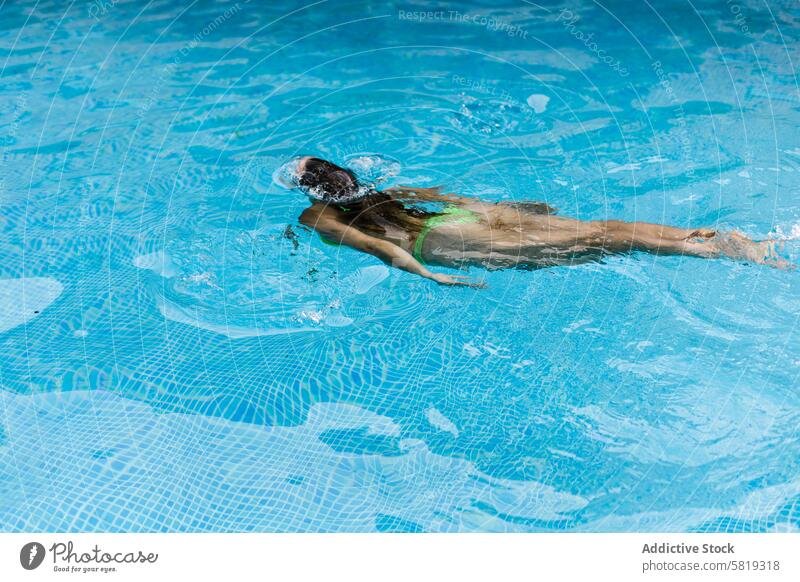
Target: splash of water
[286,175]
[370,169]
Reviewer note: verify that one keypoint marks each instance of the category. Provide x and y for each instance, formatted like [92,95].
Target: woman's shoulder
[316,211]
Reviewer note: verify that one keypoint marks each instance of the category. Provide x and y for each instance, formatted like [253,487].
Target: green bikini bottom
[450,215]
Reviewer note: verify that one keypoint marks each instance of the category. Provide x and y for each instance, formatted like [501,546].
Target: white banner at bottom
[400,557]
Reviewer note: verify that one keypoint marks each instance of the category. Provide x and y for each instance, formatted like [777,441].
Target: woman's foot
[738,247]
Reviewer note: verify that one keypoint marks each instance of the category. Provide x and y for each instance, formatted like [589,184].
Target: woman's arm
[389,253]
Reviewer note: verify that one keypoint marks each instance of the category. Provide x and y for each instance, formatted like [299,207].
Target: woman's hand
[456,280]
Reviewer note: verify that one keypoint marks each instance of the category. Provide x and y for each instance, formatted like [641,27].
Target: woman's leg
[667,240]
[660,239]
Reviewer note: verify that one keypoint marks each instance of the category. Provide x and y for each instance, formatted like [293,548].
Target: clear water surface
[173,358]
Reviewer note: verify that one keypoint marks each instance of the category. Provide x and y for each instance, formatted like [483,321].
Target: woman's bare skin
[516,235]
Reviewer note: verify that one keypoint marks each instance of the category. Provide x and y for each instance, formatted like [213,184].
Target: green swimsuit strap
[450,215]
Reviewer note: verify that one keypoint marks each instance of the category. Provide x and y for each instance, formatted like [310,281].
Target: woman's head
[327,181]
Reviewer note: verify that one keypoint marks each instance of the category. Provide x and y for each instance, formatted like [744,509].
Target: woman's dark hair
[372,211]
[328,180]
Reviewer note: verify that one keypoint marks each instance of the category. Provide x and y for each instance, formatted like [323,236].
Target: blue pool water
[174,359]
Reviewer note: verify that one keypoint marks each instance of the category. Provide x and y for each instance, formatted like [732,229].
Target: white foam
[179,314]
[21,300]
[781,234]
[440,421]
[538,102]
[368,277]
[623,168]
[159,262]
[338,320]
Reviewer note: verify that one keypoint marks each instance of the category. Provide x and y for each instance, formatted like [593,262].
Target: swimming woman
[410,228]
